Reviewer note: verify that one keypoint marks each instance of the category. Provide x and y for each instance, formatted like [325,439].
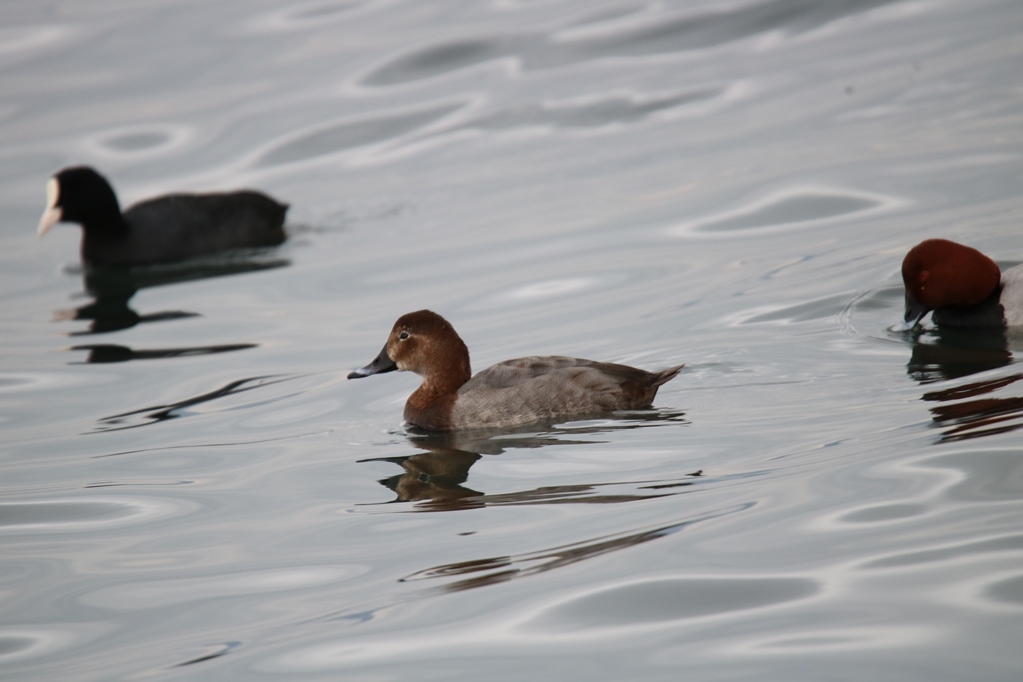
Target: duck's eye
[402,336]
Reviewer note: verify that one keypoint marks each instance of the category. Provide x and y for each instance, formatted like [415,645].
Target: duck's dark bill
[913,314]
[381,363]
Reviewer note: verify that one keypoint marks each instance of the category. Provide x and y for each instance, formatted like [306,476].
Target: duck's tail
[665,375]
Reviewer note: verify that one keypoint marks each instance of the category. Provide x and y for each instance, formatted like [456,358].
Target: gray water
[191,489]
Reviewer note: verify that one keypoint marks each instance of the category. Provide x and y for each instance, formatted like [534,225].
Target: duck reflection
[154,414]
[109,312]
[977,417]
[967,410]
[435,476]
[947,353]
[111,290]
[106,352]
[492,570]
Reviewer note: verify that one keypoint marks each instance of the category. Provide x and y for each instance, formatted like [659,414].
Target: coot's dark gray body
[161,230]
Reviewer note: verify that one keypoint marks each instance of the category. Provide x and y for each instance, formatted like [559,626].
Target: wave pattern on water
[496,570]
[147,416]
[388,134]
[727,184]
[667,599]
[661,33]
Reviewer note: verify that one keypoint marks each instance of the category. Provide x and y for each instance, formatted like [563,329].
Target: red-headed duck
[159,230]
[961,285]
[512,392]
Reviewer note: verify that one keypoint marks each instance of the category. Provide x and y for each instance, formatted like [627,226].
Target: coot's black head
[81,195]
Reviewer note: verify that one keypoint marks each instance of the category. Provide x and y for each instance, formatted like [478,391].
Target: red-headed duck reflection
[975,408]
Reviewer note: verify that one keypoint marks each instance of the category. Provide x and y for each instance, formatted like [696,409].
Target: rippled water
[192,490]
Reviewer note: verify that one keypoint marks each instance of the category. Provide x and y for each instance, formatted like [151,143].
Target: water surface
[192,490]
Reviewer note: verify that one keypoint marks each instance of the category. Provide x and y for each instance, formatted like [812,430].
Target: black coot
[160,230]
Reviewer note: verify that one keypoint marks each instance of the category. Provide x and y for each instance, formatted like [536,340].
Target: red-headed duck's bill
[52,214]
[914,312]
[381,363]
[903,326]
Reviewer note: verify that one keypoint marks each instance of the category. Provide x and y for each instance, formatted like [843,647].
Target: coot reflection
[111,290]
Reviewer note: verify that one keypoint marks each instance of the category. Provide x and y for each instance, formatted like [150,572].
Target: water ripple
[158,413]
[435,60]
[973,548]
[1008,591]
[85,515]
[837,639]
[593,111]
[308,14]
[808,311]
[352,133]
[621,34]
[138,142]
[389,134]
[649,602]
[791,208]
[666,32]
[161,593]
[35,642]
[23,41]
[494,570]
